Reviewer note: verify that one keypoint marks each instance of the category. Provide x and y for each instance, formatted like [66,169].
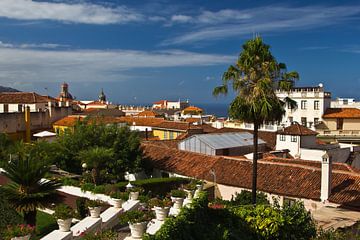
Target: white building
[301,143]
[165,104]
[17,101]
[345,103]
[311,105]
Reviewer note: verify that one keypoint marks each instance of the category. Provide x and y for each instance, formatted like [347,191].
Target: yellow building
[169,130]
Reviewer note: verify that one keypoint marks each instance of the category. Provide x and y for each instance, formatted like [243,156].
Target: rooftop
[342,113]
[23,98]
[298,130]
[227,140]
[284,177]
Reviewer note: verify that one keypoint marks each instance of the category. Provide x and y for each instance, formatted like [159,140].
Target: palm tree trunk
[255,158]
[30,218]
[94,173]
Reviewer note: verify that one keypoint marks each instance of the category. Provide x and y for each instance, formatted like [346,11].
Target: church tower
[102,97]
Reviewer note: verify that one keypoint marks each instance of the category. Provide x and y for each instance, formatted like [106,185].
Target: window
[316,121]
[6,107]
[316,105]
[291,119]
[293,138]
[303,121]
[165,135]
[346,102]
[303,104]
[339,123]
[282,138]
[20,108]
[171,135]
[288,202]
[226,152]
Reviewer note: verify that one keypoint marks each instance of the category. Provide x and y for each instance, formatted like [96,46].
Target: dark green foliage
[81,208]
[5,144]
[45,223]
[157,186]
[123,143]
[65,181]
[244,222]
[8,215]
[63,211]
[26,192]
[100,235]
[244,198]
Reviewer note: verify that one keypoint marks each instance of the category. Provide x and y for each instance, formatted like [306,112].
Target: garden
[93,159]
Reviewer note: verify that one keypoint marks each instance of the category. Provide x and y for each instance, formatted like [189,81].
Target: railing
[341,133]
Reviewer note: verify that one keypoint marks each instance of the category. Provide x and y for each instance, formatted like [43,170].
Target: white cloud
[230,23]
[76,13]
[39,65]
[181,18]
[32,45]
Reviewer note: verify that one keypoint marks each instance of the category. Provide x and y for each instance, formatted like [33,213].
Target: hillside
[8,89]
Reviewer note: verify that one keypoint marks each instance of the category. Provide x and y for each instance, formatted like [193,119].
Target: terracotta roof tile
[141,121]
[70,121]
[298,130]
[147,113]
[192,109]
[23,97]
[283,178]
[173,125]
[342,113]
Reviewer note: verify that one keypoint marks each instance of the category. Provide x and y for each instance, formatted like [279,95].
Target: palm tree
[255,77]
[27,189]
[95,158]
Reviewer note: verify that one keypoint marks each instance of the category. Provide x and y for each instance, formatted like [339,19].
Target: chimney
[27,125]
[326,166]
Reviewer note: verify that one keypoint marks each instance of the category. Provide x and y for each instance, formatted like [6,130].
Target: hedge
[157,186]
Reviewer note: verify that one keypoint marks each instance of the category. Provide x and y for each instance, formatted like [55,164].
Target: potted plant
[189,189]
[144,199]
[64,214]
[137,220]
[134,193]
[100,235]
[18,232]
[119,198]
[177,196]
[161,207]
[94,207]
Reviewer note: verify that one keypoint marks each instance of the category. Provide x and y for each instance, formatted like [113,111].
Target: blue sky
[143,51]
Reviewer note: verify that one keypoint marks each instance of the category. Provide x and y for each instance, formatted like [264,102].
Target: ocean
[217,109]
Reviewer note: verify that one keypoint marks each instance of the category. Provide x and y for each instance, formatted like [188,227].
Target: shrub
[178,193]
[93,203]
[18,231]
[120,195]
[100,235]
[244,198]
[69,182]
[156,202]
[136,216]
[8,215]
[81,207]
[63,211]
[87,187]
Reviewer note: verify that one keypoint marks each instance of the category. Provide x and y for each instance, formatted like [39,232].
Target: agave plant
[27,189]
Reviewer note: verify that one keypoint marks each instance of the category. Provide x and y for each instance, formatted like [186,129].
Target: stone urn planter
[118,198]
[64,225]
[178,202]
[161,213]
[137,230]
[189,194]
[64,214]
[133,196]
[27,237]
[199,188]
[95,212]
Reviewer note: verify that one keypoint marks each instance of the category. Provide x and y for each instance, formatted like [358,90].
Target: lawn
[45,223]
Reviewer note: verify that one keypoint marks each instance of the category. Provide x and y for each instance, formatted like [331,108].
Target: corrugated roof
[227,140]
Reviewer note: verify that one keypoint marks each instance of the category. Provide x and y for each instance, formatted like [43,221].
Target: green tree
[96,158]
[27,190]
[5,144]
[255,77]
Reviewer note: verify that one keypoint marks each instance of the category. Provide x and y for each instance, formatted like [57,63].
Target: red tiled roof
[192,109]
[162,102]
[268,137]
[172,125]
[70,121]
[96,103]
[283,178]
[141,121]
[147,113]
[298,130]
[23,97]
[342,113]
